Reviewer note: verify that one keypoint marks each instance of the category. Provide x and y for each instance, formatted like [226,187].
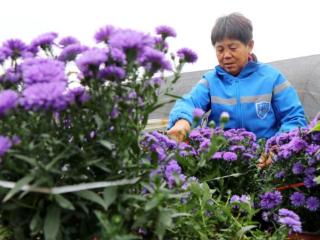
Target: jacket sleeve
[199,97]
[287,106]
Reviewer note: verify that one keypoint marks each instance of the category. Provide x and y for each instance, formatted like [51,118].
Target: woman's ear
[250,45]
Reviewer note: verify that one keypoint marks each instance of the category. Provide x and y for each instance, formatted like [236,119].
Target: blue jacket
[259,99]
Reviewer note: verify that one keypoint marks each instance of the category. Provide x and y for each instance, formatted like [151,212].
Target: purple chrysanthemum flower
[113,73]
[280,174]
[311,161]
[161,153]
[234,198]
[187,183]
[297,199]
[8,101]
[217,155]
[131,41]
[196,135]
[161,44]
[164,140]
[14,48]
[66,41]
[44,40]
[166,31]
[312,149]
[5,145]
[248,156]
[70,52]
[12,75]
[154,60]
[312,203]
[270,200]
[285,152]
[117,56]
[297,144]
[235,148]
[297,168]
[40,70]
[104,33]
[2,56]
[173,172]
[47,96]
[132,95]
[309,181]
[242,199]
[310,171]
[186,150]
[245,198]
[187,55]
[197,114]
[91,58]
[290,219]
[315,136]
[266,216]
[204,145]
[114,112]
[230,156]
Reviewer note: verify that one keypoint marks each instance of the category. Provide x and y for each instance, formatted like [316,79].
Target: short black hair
[233,26]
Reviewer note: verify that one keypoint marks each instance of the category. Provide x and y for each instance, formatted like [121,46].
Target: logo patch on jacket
[262,109]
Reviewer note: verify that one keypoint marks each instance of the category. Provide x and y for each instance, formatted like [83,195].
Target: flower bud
[224,117]
[212,124]
[197,116]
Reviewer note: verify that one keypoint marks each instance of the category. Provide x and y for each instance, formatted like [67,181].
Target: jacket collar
[248,69]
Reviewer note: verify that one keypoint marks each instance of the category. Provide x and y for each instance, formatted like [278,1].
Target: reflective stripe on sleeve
[258,98]
[281,87]
[204,82]
[226,101]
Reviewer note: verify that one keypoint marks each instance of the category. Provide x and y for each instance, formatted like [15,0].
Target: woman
[256,96]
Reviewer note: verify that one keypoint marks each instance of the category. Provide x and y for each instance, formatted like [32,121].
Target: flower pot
[304,236]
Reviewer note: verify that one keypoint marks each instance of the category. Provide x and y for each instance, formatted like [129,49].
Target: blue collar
[248,69]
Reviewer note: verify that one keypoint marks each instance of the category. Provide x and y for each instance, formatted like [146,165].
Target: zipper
[239,107]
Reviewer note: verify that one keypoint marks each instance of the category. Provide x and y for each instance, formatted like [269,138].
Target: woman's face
[232,54]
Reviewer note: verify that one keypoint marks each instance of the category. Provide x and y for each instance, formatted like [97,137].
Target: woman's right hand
[179,130]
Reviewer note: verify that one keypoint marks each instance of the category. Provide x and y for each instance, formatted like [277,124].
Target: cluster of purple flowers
[289,219]
[295,160]
[158,147]
[241,199]
[241,144]
[5,145]
[270,200]
[8,101]
[284,217]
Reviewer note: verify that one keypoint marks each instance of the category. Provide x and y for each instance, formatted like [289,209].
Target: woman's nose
[227,54]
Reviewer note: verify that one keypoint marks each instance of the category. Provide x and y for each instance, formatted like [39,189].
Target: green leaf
[64,202]
[36,222]
[57,158]
[98,121]
[152,203]
[317,179]
[18,186]
[108,145]
[164,221]
[245,229]
[316,128]
[52,222]
[29,160]
[109,195]
[196,189]
[93,197]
